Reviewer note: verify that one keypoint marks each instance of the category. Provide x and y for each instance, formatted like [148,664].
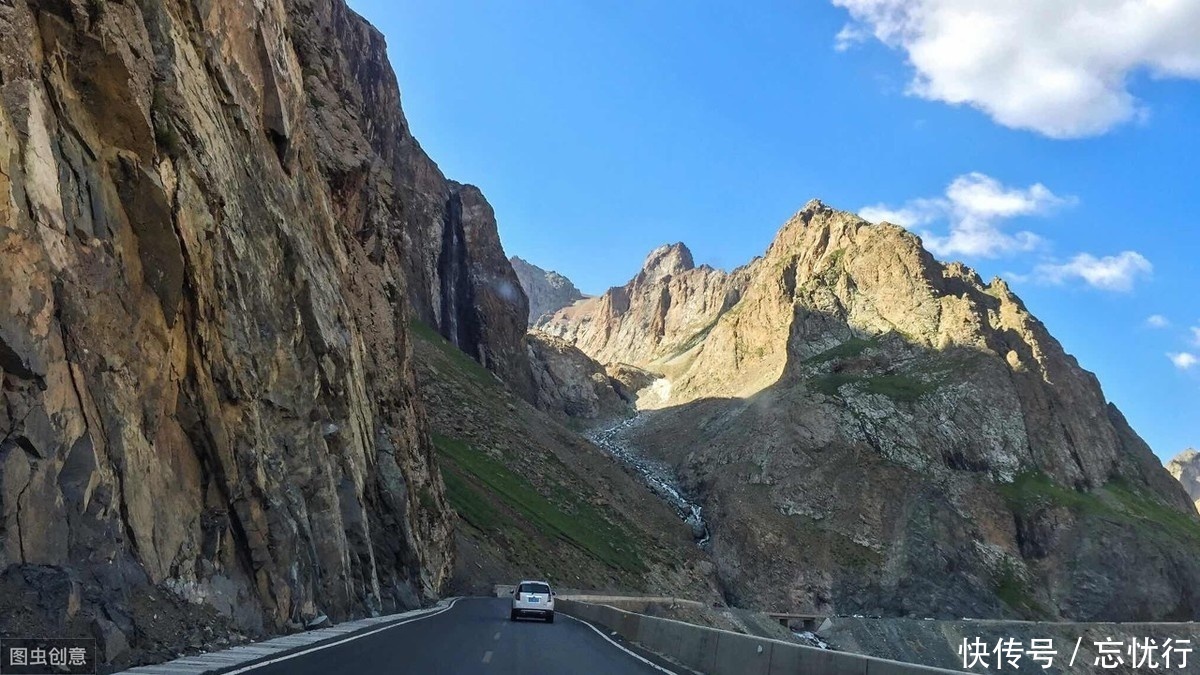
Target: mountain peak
[547,290]
[1187,456]
[1186,469]
[667,260]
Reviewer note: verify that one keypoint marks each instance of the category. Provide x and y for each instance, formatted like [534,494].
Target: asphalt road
[474,636]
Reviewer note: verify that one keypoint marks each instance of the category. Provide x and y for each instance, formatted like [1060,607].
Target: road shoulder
[248,658]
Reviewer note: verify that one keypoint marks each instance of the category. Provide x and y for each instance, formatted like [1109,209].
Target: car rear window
[534,588]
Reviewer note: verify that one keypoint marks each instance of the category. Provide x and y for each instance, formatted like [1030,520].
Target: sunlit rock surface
[1185,467]
[875,431]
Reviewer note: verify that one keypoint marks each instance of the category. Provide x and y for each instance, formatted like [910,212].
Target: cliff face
[547,291]
[482,303]
[207,214]
[572,383]
[872,430]
[442,234]
[566,380]
[1185,467]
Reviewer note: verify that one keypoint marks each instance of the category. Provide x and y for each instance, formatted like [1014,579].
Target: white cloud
[1184,360]
[1158,321]
[976,205]
[906,216]
[849,36]
[1196,335]
[1057,67]
[1110,273]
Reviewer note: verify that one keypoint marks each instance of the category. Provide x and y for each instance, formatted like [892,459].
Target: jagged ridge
[848,348]
[548,291]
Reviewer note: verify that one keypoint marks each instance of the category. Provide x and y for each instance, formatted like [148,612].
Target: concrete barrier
[736,653]
[720,652]
[632,603]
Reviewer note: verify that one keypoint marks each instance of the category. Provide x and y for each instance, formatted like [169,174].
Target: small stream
[657,475]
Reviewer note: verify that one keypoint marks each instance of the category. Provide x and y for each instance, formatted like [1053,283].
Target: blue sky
[600,132]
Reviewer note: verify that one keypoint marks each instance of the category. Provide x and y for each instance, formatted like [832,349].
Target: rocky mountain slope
[236,309]
[650,320]
[566,381]
[570,382]
[548,291]
[874,431]
[215,225]
[218,235]
[1185,467]
[536,499]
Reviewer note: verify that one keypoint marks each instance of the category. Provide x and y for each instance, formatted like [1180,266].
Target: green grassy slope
[536,500]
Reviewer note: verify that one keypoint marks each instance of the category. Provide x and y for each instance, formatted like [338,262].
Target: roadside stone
[110,641]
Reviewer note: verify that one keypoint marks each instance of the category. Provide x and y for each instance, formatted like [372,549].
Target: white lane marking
[343,641]
[487,657]
[618,646]
[496,636]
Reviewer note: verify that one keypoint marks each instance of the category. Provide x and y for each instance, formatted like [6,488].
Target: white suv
[533,598]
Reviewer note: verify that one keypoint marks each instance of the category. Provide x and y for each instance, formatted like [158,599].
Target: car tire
[512,616]
[550,617]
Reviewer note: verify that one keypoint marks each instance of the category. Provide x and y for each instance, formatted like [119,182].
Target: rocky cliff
[214,223]
[443,234]
[1185,467]
[651,319]
[572,383]
[462,283]
[548,291]
[873,430]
